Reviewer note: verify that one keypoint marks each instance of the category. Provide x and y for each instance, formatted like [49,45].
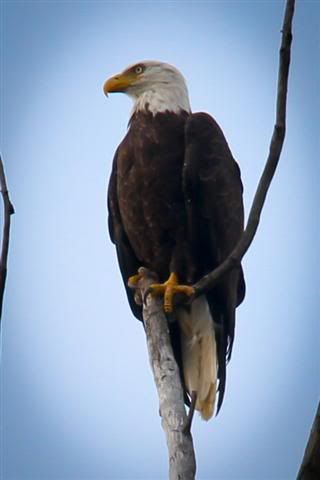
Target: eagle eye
[139,69]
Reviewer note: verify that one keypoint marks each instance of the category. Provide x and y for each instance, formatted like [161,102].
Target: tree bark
[182,463]
[8,211]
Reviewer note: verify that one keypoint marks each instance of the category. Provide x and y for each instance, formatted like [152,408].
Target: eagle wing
[213,195]
[127,260]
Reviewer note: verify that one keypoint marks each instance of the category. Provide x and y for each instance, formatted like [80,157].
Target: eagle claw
[143,273]
[168,289]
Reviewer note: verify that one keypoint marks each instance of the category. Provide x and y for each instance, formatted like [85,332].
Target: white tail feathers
[199,355]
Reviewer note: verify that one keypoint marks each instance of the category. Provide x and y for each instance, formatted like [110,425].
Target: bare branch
[310,467]
[167,379]
[8,211]
[164,367]
[235,257]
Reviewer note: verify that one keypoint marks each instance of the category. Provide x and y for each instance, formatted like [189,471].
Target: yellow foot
[133,281]
[168,289]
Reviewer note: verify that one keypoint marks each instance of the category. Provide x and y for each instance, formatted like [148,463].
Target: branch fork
[164,367]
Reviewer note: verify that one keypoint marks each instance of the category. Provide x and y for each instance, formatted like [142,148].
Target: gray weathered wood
[8,210]
[182,463]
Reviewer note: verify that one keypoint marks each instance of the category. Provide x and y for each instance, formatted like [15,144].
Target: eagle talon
[134,280]
[168,289]
[143,272]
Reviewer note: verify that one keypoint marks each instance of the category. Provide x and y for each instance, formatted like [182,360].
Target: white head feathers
[161,88]
[154,86]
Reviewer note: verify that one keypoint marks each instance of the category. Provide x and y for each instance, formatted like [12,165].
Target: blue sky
[77,395]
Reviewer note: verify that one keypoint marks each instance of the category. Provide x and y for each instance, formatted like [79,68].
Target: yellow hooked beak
[119,83]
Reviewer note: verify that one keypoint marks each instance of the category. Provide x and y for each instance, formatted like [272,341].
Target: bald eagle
[175,207]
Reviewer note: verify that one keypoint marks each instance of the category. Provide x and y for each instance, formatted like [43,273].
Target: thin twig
[8,211]
[235,257]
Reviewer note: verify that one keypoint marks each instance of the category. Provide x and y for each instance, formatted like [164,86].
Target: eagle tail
[199,354]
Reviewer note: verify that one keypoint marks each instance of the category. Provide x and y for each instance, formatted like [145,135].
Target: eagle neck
[173,98]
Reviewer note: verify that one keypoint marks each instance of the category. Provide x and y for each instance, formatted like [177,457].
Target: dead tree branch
[310,467]
[8,211]
[235,257]
[167,379]
[164,367]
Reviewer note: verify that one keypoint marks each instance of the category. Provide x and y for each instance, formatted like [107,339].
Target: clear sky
[77,396]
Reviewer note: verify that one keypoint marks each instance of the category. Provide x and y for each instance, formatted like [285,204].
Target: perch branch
[310,467]
[8,211]
[164,367]
[167,379]
[235,257]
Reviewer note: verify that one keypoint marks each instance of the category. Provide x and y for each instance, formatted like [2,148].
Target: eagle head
[153,86]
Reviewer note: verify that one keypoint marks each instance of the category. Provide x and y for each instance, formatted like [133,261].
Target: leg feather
[199,356]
